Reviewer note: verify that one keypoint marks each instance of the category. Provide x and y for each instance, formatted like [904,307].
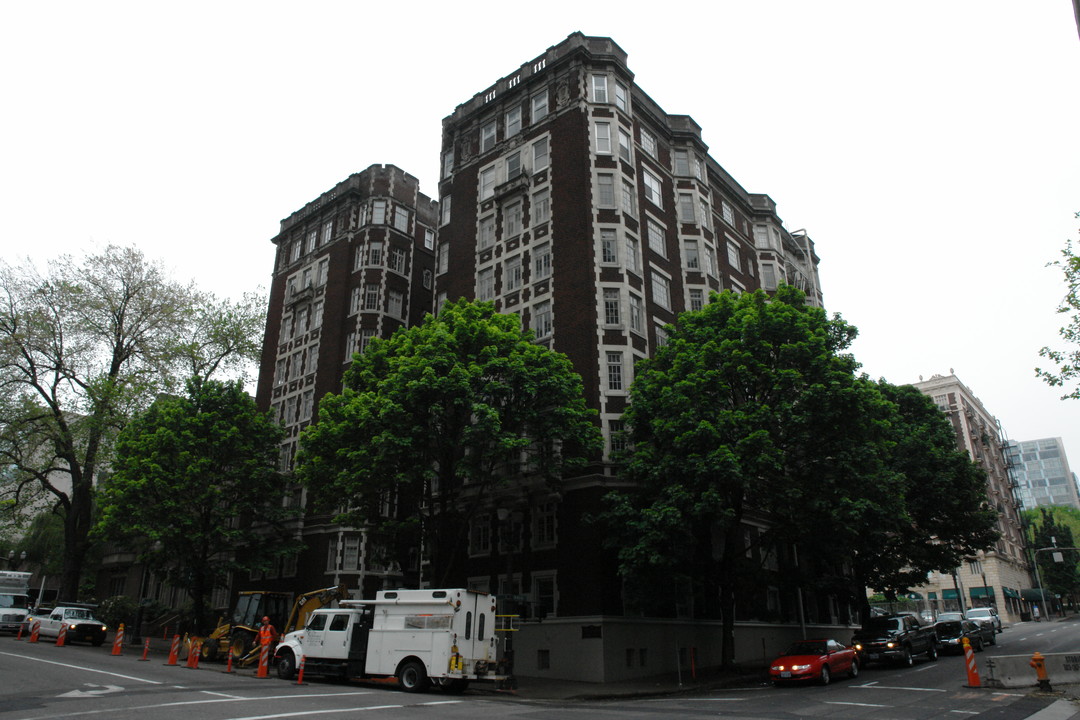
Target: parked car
[814,660]
[952,632]
[79,621]
[896,638]
[949,616]
[985,614]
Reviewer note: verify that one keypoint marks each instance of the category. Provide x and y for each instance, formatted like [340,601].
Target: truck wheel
[412,676]
[209,650]
[286,665]
[932,653]
[906,659]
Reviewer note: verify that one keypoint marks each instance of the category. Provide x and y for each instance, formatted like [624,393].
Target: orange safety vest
[266,634]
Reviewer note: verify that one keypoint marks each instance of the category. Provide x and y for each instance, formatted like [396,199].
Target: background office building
[1042,473]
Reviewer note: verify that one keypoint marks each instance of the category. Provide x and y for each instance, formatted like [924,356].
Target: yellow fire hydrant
[1039,663]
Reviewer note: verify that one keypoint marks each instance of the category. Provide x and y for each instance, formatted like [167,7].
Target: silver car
[985,615]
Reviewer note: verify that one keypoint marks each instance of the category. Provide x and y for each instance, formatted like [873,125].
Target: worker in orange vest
[267,633]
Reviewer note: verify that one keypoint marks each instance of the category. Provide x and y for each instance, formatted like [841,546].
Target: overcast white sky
[929,147]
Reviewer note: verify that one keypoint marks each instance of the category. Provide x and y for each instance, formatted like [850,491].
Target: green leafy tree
[185,471]
[1053,528]
[1066,361]
[916,504]
[84,347]
[753,410]
[439,421]
[720,419]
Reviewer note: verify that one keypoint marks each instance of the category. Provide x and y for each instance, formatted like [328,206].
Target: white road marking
[80,667]
[224,695]
[103,690]
[965,712]
[891,687]
[829,702]
[202,702]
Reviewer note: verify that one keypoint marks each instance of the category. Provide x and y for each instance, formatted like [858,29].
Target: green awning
[948,594]
[982,592]
[1010,593]
[932,595]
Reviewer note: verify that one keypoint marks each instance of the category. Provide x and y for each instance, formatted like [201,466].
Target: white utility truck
[445,637]
[14,599]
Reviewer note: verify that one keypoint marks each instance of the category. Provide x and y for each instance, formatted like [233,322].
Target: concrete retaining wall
[1015,671]
[611,649]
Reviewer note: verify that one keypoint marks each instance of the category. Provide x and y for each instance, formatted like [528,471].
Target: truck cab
[421,637]
[14,600]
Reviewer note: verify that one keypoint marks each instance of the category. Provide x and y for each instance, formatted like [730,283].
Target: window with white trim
[447,163]
[541,207]
[697,298]
[512,273]
[378,212]
[513,165]
[324,271]
[487,182]
[444,210]
[616,436]
[541,261]
[480,535]
[605,190]
[428,279]
[371,296]
[401,219]
[733,256]
[486,237]
[706,213]
[487,137]
[657,241]
[625,144]
[652,188]
[542,324]
[608,246]
[512,220]
[611,307]
[374,258]
[350,346]
[686,208]
[485,284]
[615,380]
[603,138]
[444,258]
[661,290]
[395,303]
[682,162]
[539,106]
[366,335]
[727,212]
[630,245]
[429,239]
[316,314]
[648,142]
[637,313]
[599,88]
[690,254]
[312,240]
[622,97]
[540,154]
[328,231]
[710,260]
[768,276]
[545,518]
[355,300]
[295,248]
[513,121]
[307,402]
[629,198]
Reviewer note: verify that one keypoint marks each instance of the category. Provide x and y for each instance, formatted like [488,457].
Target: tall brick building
[355,263]
[569,197]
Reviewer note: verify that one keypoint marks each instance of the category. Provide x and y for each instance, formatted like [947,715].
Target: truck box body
[14,599]
[450,633]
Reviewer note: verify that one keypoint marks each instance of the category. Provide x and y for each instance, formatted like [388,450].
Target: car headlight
[890,645]
[777,668]
[858,646]
[800,667]
[72,626]
[104,628]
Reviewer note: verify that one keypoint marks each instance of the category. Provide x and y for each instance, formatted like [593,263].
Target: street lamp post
[1038,577]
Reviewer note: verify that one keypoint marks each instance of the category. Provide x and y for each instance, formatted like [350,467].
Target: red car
[814,660]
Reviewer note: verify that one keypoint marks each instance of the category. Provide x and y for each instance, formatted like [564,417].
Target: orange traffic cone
[145,651]
[300,671]
[174,650]
[118,641]
[34,631]
[19,636]
[62,636]
[972,670]
[264,662]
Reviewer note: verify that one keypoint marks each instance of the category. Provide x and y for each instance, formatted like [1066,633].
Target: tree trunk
[728,558]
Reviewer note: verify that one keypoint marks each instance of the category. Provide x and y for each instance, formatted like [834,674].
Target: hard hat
[266,619]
